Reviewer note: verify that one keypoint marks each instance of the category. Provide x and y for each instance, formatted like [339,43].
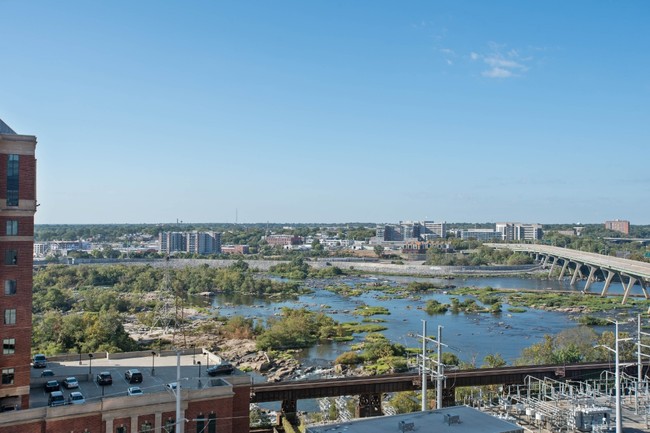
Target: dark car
[133,376]
[47,373]
[40,361]
[104,378]
[52,385]
[223,368]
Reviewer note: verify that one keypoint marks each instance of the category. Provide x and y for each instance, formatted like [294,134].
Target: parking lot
[157,371]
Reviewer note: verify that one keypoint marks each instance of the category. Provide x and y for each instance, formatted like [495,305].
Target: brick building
[622,226]
[17,209]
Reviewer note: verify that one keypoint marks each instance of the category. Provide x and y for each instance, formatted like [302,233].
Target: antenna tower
[169,312]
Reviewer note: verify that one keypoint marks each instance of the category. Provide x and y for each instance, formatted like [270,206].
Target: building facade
[622,226]
[519,231]
[190,242]
[17,209]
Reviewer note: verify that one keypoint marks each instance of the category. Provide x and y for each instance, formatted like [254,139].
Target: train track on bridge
[321,388]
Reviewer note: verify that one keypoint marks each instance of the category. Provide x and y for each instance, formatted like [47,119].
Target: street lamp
[90,365]
[153,363]
[79,350]
[199,364]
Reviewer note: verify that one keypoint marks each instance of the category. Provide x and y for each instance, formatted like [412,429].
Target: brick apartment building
[17,209]
[622,226]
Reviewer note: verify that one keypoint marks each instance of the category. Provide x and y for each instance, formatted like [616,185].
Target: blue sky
[332,111]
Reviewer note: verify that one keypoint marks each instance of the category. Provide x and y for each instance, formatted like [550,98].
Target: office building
[519,232]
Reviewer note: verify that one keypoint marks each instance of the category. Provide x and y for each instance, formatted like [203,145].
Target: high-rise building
[190,242]
[622,226]
[519,231]
[17,209]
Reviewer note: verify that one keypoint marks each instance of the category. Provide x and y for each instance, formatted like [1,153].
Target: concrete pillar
[546,257]
[564,266]
[630,284]
[369,405]
[109,424]
[289,410]
[590,278]
[608,281]
[134,424]
[553,263]
[157,423]
[576,273]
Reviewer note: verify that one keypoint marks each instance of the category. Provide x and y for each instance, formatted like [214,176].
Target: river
[469,336]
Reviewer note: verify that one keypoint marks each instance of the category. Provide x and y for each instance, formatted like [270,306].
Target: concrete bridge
[629,272]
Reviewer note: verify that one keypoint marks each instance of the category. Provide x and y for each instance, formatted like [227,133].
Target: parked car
[76,398]
[40,361]
[133,376]
[56,399]
[171,386]
[70,382]
[134,390]
[52,385]
[104,378]
[223,368]
[47,373]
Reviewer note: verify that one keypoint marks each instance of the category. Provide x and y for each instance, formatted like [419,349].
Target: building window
[8,346]
[146,427]
[10,316]
[7,376]
[200,424]
[170,426]
[10,287]
[11,257]
[120,429]
[12,180]
[212,423]
[12,228]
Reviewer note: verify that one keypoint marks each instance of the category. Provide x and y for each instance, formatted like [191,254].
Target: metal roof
[5,129]
[458,419]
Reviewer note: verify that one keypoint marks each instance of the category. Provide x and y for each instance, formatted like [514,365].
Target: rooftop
[5,129]
[457,419]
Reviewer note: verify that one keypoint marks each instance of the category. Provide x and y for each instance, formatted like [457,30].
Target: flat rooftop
[457,419]
[157,371]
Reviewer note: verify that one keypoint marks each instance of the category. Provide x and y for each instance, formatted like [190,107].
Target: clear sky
[332,111]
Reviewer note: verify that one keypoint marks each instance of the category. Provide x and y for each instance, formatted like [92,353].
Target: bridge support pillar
[369,405]
[553,263]
[628,287]
[608,281]
[289,410]
[564,266]
[590,278]
[576,273]
[449,396]
[546,257]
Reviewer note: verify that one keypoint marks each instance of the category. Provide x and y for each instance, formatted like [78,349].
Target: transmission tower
[169,311]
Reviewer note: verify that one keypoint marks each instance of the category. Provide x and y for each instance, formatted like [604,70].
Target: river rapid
[469,336]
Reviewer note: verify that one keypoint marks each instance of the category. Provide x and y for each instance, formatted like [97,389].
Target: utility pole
[439,373]
[640,354]
[617,378]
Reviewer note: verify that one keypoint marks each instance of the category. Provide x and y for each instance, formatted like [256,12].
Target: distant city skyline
[289,111]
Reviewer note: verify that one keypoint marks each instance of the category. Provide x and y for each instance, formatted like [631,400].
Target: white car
[172,386]
[76,398]
[134,390]
[70,382]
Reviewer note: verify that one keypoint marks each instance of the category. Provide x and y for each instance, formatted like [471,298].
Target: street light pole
[90,364]
[199,364]
[617,379]
[153,363]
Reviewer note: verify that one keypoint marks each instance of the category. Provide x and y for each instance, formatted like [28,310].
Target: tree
[379,250]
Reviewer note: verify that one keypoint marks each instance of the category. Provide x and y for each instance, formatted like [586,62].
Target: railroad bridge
[370,388]
[629,272]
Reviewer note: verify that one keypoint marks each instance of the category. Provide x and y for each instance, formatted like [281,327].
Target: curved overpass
[630,272]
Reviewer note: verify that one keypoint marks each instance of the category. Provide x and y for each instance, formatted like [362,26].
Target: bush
[348,358]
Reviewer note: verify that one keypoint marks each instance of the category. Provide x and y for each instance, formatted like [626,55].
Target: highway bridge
[629,272]
[370,388]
